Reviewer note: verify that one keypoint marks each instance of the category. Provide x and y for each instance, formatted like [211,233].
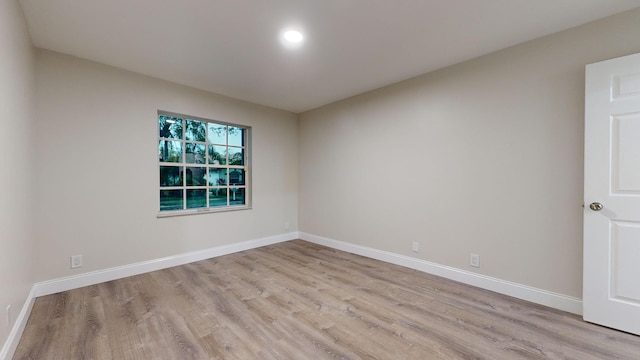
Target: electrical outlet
[474,260]
[415,247]
[76,261]
[286,226]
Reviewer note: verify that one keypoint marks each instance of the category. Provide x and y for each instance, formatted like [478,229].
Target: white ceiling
[232,47]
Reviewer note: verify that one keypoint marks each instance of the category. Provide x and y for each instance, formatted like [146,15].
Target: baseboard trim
[100,276]
[10,346]
[535,295]
[524,292]
[91,278]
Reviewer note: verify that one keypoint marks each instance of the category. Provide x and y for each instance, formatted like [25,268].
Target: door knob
[596,206]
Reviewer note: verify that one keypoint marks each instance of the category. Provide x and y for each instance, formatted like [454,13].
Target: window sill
[164,214]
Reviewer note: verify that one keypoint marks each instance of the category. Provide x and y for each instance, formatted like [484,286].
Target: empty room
[321,179]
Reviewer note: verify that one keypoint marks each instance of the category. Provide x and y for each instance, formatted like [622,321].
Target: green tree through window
[203,164]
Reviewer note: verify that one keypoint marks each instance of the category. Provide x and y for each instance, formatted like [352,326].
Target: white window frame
[183,164]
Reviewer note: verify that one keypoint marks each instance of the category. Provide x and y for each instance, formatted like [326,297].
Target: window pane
[217,177]
[236,196]
[217,155]
[196,176]
[170,127]
[194,153]
[236,177]
[202,163]
[170,176]
[236,156]
[196,130]
[217,134]
[236,136]
[218,197]
[196,198]
[171,200]
[170,151]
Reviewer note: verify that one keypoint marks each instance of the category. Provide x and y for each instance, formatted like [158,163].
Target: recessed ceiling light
[293,36]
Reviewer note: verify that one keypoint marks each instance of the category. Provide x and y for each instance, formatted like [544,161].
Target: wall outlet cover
[76,261]
[474,260]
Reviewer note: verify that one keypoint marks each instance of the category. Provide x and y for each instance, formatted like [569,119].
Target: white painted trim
[15,334]
[100,276]
[539,296]
[96,277]
[535,295]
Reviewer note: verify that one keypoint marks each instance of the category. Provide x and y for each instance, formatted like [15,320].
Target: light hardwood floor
[298,300]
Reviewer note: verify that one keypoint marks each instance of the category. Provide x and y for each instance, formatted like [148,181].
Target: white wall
[483,157]
[97,186]
[16,121]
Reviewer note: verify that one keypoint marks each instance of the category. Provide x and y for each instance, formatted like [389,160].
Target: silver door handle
[596,206]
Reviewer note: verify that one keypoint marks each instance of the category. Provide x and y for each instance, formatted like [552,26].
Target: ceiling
[233,47]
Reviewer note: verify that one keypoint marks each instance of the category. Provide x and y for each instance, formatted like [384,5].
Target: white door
[612,194]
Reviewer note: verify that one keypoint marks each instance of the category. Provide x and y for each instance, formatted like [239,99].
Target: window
[204,165]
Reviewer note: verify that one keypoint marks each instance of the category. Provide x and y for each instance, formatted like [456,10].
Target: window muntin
[203,165]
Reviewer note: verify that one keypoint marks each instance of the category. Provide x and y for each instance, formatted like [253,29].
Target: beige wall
[16,122]
[483,157]
[97,187]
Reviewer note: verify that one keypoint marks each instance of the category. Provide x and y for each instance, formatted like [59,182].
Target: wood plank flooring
[298,300]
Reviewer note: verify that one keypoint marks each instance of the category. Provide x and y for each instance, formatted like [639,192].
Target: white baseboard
[539,296]
[10,346]
[535,295]
[100,276]
[96,277]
